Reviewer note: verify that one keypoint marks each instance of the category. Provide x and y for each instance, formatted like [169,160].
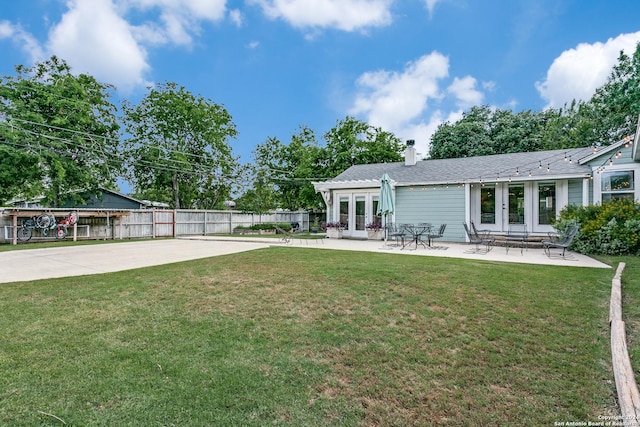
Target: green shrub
[265,226]
[612,228]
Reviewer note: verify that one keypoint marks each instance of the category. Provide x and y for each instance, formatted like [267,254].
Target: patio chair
[396,233]
[436,234]
[560,241]
[424,236]
[478,239]
[480,232]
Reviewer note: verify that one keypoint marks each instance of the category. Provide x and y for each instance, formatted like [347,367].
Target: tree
[58,133]
[483,131]
[289,169]
[179,148]
[260,196]
[354,142]
[569,127]
[18,171]
[616,105]
[610,115]
[469,136]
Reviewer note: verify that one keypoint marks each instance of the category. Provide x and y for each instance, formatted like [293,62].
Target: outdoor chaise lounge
[287,235]
[478,239]
[560,241]
[295,233]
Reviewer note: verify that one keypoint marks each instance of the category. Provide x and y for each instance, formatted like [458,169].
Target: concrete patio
[44,263]
[439,249]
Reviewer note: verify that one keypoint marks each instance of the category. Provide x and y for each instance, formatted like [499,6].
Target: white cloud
[396,101]
[94,39]
[181,18]
[392,98]
[489,86]
[465,92]
[578,72]
[400,102]
[346,15]
[6,29]
[431,4]
[20,37]
[422,131]
[101,37]
[236,17]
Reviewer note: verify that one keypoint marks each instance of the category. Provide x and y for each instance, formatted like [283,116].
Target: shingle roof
[474,169]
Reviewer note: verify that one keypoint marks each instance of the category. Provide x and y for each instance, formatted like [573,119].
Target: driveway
[35,264]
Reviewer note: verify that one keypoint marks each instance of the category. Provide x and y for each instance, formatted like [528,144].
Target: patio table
[416,231]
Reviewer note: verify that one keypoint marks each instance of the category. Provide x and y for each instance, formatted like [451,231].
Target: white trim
[585,191]
[603,151]
[351,196]
[597,179]
[339,185]
[493,181]
[561,200]
[467,207]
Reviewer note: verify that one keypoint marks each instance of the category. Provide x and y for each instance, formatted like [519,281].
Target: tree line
[609,116]
[61,135]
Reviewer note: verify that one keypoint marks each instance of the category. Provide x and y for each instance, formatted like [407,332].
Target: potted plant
[315,227]
[375,231]
[334,230]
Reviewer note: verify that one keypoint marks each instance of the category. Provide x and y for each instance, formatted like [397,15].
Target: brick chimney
[410,153]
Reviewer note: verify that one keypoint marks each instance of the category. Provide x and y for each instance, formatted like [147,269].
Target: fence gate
[164,223]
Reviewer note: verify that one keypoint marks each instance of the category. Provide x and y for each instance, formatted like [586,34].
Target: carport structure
[25,213]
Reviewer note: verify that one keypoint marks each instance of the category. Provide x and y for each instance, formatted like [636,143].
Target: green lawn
[308,337]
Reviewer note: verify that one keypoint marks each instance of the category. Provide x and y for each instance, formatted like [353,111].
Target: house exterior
[493,191]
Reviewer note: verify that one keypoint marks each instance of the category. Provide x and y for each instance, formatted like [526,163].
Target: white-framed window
[617,184]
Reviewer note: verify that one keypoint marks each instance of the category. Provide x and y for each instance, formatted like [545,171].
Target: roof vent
[410,153]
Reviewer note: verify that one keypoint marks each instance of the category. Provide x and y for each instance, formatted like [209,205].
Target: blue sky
[403,65]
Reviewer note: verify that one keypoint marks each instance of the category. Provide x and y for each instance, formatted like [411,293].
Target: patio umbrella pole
[386,234]
[385,205]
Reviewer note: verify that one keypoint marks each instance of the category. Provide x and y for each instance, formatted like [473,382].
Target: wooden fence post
[626,386]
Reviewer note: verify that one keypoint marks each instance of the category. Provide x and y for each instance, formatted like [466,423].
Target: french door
[355,211]
[536,204]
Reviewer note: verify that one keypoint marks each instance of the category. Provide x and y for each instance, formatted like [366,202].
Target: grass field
[304,337]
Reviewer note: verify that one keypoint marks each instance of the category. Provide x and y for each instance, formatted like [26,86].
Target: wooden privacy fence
[147,223]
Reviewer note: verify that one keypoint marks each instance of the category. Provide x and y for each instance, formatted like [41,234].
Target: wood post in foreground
[626,386]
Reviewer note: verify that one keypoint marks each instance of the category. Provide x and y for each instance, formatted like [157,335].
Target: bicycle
[46,222]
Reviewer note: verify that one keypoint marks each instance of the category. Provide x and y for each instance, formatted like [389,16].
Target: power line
[115,159]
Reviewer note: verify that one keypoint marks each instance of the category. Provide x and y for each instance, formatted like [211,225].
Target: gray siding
[104,200]
[575,192]
[436,206]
